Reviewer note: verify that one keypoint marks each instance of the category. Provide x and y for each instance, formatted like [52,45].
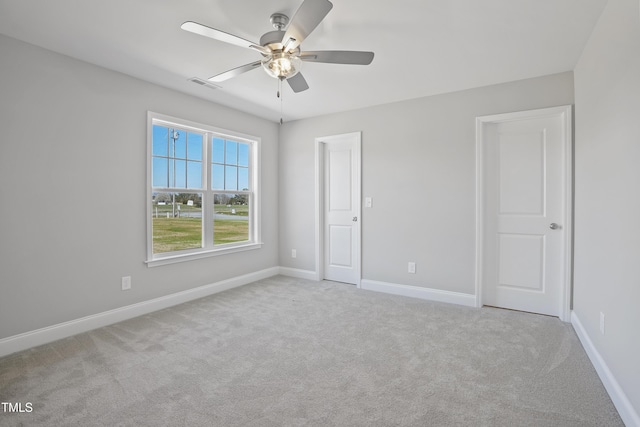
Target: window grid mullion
[168,158]
[207,202]
[224,165]
[186,159]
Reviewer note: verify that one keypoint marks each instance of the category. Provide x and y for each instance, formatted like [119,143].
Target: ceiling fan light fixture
[280,49]
[282,65]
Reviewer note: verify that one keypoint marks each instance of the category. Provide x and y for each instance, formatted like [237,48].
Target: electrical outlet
[368,202]
[126,283]
[412,268]
[602,323]
[294,253]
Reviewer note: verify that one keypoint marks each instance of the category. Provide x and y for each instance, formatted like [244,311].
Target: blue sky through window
[230,168]
[177,158]
[231,153]
[177,161]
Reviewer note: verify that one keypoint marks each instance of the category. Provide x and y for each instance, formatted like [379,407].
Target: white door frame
[319,206]
[481,122]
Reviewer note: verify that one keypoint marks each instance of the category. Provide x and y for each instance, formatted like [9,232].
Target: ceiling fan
[282,57]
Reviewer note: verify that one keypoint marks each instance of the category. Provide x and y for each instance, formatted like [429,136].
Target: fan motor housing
[272,40]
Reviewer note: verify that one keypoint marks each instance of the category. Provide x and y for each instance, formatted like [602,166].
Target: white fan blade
[338,57]
[203,30]
[306,19]
[234,72]
[298,83]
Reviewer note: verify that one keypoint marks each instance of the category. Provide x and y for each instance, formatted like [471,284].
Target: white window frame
[208,249]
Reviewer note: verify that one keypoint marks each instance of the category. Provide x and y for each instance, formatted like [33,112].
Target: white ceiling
[422,47]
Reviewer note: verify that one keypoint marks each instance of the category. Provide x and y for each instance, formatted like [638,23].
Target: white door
[341,155]
[526,223]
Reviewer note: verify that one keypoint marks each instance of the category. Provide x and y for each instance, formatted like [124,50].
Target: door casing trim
[565,112]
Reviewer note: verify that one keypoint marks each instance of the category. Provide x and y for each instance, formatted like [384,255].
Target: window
[202,191]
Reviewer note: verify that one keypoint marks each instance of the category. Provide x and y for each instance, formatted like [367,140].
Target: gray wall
[73,177]
[418,165]
[607,193]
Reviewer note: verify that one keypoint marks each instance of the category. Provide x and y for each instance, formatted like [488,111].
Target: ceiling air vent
[204,83]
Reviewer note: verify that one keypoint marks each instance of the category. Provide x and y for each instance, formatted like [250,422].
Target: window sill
[172,259]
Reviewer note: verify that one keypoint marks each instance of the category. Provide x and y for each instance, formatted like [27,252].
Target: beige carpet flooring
[290,352]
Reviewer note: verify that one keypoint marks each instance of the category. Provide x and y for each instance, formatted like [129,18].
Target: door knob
[554,226]
[355,218]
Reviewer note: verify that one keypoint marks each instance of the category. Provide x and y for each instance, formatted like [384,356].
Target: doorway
[524,211]
[338,201]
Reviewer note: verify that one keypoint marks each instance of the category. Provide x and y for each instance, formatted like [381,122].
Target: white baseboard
[419,292]
[623,405]
[300,274]
[48,334]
